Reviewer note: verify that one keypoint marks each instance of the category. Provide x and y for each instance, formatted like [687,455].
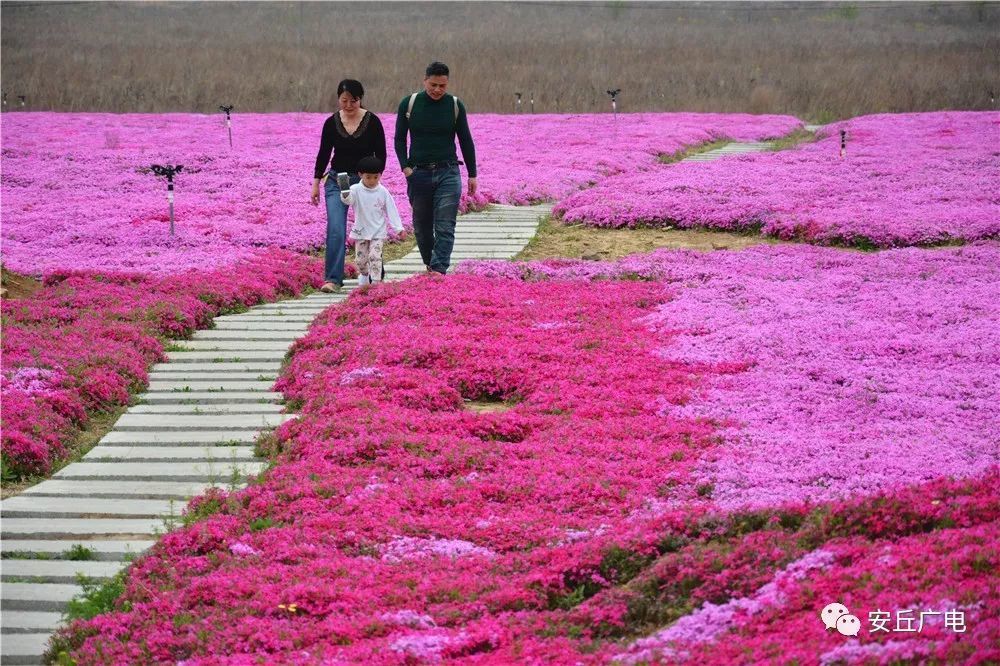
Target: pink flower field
[111,328]
[75,194]
[907,179]
[636,479]
[677,457]
[857,372]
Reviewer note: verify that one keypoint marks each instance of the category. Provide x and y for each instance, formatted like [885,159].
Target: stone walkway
[739,148]
[729,149]
[192,429]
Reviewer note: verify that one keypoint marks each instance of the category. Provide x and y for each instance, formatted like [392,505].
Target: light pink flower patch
[409,618]
[242,549]
[412,548]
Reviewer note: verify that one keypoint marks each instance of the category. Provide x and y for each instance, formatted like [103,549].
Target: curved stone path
[192,429]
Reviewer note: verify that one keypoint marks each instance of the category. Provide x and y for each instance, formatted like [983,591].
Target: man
[433,119]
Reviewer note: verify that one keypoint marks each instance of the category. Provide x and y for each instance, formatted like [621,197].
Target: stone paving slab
[209,397]
[180,437]
[185,385]
[248,334]
[416,262]
[70,528]
[236,346]
[265,317]
[261,324]
[58,571]
[105,551]
[28,506]
[29,621]
[37,596]
[23,649]
[161,422]
[181,371]
[221,408]
[223,358]
[237,369]
[295,307]
[474,242]
[140,490]
[168,453]
[207,471]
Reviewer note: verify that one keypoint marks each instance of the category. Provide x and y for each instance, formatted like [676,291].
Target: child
[373,208]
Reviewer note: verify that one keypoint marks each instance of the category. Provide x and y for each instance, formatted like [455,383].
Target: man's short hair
[436,69]
[370,164]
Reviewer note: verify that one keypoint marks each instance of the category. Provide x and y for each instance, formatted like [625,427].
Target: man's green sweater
[432,126]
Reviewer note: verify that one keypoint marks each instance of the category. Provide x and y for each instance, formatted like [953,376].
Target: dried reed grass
[815,60]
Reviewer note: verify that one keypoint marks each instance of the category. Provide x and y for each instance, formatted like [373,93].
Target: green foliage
[202,510]
[97,597]
[260,524]
[79,553]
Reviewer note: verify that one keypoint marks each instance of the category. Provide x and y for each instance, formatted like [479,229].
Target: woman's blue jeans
[336,230]
[434,195]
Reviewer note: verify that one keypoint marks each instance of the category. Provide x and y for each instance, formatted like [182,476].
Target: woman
[350,134]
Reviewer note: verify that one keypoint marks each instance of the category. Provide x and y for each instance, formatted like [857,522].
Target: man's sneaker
[329,288]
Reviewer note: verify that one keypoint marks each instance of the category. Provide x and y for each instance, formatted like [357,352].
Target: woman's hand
[473,186]
[314,199]
[407,172]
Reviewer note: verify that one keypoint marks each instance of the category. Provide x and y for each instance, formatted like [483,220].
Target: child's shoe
[363,280]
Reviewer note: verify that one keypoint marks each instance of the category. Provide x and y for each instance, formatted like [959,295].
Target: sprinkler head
[226,109]
[614,93]
[168,170]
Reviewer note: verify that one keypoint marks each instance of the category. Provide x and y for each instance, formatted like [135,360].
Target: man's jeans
[336,230]
[434,195]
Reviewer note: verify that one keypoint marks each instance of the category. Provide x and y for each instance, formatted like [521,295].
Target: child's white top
[373,209]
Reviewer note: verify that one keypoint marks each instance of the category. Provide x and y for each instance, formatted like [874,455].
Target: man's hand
[314,199]
[407,172]
[473,186]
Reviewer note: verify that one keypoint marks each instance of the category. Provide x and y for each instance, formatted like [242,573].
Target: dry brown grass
[556,240]
[14,285]
[816,60]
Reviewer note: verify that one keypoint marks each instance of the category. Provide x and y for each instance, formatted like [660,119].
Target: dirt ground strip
[577,241]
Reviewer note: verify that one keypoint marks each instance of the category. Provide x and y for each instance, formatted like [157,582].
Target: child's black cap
[370,164]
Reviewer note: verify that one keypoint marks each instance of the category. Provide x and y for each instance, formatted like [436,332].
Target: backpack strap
[409,107]
[413,98]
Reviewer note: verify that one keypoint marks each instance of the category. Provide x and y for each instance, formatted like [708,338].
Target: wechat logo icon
[836,616]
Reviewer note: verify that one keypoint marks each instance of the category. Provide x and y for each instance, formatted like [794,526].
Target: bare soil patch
[486,406]
[14,285]
[577,241]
